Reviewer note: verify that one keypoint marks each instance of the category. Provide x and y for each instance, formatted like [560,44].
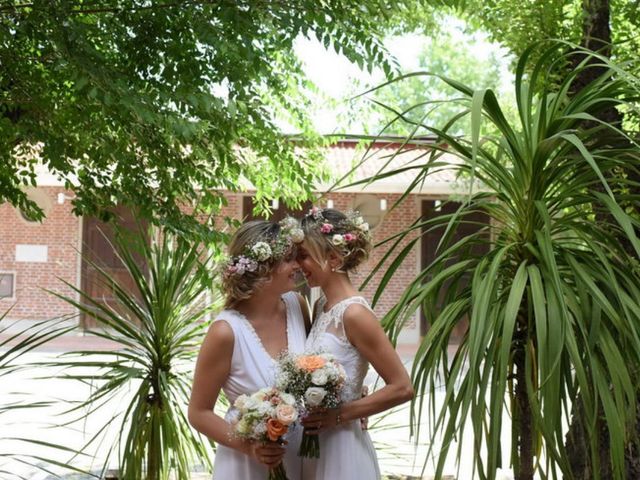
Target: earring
[333,269]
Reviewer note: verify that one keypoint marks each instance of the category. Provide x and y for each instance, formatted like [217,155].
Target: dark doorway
[98,249]
[473,222]
[276,214]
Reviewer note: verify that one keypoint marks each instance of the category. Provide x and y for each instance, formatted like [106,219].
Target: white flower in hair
[337,239]
[297,235]
[262,251]
[288,223]
[359,223]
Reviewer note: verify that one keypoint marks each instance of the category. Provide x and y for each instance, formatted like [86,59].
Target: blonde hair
[241,287]
[351,253]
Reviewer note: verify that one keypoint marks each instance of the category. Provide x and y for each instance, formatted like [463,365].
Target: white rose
[337,239]
[364,227]
[287,414]
[332,370]
[287,398]
[265,408]
[319,377]
[314,396]
[240,402]
[251,403]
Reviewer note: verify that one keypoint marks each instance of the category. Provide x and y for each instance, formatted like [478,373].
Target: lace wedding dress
[346,451]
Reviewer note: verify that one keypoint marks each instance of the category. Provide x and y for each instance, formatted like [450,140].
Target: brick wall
[392,222]
[60,232]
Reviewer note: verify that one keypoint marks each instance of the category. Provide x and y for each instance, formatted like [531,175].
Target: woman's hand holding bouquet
[316,381]
[263,418]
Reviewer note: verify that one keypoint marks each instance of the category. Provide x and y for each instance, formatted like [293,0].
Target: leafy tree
[611,27]
[553,306]
[157,104]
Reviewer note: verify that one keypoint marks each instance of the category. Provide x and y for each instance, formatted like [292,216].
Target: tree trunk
[525,453]
[596,36]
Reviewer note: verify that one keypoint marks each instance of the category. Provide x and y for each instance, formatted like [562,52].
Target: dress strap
[337,311]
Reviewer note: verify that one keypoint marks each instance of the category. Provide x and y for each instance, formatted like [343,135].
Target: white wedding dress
[252,368]
[346,451]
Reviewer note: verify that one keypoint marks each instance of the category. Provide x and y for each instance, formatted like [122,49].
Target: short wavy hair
[240,287]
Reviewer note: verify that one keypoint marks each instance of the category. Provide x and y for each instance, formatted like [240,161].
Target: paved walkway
[399,456]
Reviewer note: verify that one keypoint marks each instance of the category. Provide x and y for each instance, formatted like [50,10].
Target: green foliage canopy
[153,104]
[552,308]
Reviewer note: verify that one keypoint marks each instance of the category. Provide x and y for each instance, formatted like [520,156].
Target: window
[41,198]
[369,207]
[7,283]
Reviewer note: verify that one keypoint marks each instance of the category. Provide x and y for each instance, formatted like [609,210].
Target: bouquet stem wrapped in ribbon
[265,416]
[316,381]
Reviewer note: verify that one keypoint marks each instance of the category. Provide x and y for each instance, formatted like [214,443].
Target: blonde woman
[262,318]
[344,325]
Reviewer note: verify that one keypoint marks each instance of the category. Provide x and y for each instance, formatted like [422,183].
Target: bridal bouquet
[315,380]
[265,416]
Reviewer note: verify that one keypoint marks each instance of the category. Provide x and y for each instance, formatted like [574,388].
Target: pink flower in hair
[326,228]
[349,237]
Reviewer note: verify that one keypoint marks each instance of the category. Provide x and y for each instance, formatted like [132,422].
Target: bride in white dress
[345,326]
[262,318]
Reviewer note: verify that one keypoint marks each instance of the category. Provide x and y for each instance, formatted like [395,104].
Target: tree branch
[118,10]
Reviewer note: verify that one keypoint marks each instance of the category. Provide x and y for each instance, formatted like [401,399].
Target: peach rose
[275,429]
[287,414]
[310,362]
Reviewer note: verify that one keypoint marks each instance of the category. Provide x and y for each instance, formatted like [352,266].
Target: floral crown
[264,250]
[353,224]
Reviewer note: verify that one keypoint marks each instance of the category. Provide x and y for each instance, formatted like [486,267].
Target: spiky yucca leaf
[554,306]
[159,325]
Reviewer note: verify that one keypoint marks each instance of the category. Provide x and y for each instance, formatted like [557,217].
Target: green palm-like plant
[554,306]
[15,344]
[159,328]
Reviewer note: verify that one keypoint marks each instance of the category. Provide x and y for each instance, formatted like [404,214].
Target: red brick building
[35,257]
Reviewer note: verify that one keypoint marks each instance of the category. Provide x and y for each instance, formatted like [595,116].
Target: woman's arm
[212,369]
[365,333]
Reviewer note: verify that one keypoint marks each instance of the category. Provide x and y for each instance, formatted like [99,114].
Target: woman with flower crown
[261,319]
[345,326]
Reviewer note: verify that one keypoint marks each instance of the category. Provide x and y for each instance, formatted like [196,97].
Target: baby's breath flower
[262,251]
